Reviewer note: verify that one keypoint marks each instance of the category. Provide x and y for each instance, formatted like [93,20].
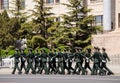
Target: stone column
[107,15]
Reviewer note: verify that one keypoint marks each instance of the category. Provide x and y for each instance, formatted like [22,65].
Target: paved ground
[58,79]
[7,77]
[114,68]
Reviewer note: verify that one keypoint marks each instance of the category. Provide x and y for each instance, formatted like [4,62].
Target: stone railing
[7,63]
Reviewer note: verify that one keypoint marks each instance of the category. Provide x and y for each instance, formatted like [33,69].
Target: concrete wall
[111,41]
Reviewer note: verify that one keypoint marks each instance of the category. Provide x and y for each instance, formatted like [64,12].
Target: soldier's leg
[109,71]
[15,67]
[93,69]
[45,68]
[62,68]
[28,68]
[76,66]
[32,68]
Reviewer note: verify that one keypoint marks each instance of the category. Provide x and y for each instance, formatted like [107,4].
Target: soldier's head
[79,49]
[21,51]
[98,49]
[88,50]
[95,48]
[36,50]
[103,49]
[16,50]
[30,50]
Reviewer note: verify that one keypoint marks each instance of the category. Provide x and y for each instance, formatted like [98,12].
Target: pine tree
[6,38]
[79,24]
[42,18]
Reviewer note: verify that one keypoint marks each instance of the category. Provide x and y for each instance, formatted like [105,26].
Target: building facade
[106,12]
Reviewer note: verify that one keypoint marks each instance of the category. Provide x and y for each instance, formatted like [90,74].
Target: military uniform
[16,62]
[51,68]
[79,61]
[104,61]
[96,58]
[37,54]
[44,57]
[30,59]
[65,61]
[59,68]
[87,60]
[70,60]
[23,60]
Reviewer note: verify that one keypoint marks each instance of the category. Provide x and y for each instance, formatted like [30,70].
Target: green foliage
[77,25]
[38,41]
[42,19]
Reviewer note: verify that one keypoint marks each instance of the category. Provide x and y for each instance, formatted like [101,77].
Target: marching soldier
[70,60]
[59,68]
[96,58]
[16,62]
[44,57]
[79,61]
[23,60]
[37,54]
[30,59]
[87,59]
[65,60]
[104,61]
[51,62]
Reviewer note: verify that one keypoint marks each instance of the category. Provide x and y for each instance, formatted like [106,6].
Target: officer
[104,61]
[87,59]
[16,62]
[23,60]
[30,59]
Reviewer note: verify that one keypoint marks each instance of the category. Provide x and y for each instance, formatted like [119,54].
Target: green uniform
[51,68]
[87,61]
[59,61]
[23,60]
[97,58]
[70,60]
[44,63]
[104,61]
[30,59]
[16,62]
[37,62]
[79,61]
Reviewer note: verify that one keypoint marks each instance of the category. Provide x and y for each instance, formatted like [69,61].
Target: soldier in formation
[62,61]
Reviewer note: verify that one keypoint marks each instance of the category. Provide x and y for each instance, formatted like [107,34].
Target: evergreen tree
[79,24]
[6,38]
[43,19]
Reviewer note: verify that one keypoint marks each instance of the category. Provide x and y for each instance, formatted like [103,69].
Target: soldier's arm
[107,57]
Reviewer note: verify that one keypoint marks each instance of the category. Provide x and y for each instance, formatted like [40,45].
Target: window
[4,4]
[57,1]
[57,19]
[99,20]
[23,4]
[119,20]
[96,0]
[52,1]
[49,1]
